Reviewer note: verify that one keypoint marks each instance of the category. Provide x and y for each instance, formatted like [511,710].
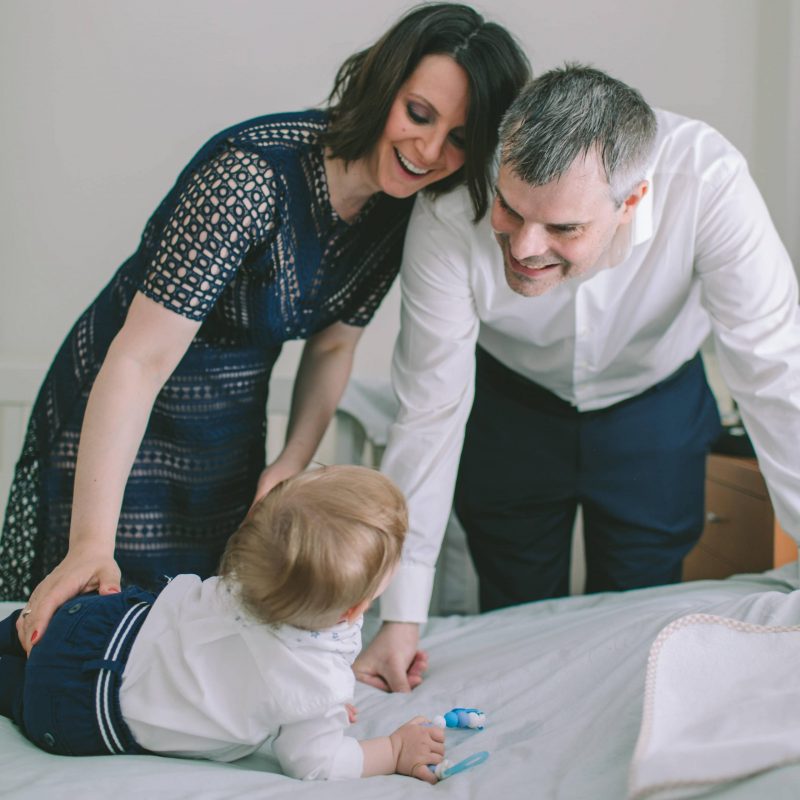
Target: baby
[215,668]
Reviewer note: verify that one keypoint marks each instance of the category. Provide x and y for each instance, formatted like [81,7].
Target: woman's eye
[417,114]
[458,140]
[505,206]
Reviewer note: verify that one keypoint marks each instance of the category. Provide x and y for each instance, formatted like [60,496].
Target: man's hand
[392,661]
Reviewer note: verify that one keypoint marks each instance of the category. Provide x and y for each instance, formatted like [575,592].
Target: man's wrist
[405,632]
[407,597]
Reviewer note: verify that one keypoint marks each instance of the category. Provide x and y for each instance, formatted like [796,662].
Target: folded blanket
[722,702]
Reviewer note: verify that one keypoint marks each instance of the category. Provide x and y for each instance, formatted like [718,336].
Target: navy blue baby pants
[65,696]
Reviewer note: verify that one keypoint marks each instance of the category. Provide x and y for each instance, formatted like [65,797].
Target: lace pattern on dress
[226,207]
[20,538]
[247,243]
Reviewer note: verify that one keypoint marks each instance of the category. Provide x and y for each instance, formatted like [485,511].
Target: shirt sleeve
[317,749]
[750,291]
[433,376]
[222,208]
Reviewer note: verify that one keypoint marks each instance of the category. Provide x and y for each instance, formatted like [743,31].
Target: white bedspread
[562,683]
[722,702]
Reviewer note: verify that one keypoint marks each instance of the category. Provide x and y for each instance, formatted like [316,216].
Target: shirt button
[74,609]
[49,739]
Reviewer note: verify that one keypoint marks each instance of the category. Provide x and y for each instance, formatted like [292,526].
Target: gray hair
[566,113]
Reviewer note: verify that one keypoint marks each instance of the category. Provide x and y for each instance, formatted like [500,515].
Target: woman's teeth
[414,170]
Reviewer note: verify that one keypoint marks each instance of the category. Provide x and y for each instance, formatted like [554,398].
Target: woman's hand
[415,745]
[77,574]
[272,475]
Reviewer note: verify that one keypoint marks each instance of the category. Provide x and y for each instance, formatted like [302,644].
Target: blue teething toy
[460,718]
[446,770]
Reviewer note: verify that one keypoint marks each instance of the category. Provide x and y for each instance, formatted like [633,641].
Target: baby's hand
[352,713]
[414,746]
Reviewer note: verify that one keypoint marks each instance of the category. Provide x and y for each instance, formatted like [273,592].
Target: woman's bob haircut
[368,82]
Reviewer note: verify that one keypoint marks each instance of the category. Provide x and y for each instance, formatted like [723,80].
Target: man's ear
[632,200]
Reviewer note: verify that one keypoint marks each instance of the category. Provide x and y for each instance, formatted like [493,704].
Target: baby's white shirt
[206,680]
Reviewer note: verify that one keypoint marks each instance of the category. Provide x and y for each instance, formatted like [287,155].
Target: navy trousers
[65,696]
[637,468]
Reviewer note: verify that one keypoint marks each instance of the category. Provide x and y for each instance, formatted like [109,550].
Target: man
[618,239]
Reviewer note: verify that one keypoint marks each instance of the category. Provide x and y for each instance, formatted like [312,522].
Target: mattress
[562,684]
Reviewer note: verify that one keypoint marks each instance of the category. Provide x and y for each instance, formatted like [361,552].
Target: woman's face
[423,140]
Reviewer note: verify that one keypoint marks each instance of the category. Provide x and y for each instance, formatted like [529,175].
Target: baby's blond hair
[317,545]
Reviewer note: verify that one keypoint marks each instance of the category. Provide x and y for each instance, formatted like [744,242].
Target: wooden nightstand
[741,532]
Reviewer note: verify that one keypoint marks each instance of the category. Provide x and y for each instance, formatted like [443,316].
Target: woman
[287,226]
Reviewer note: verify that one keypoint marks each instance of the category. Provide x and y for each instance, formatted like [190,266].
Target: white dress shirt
[206,680]
[701,255]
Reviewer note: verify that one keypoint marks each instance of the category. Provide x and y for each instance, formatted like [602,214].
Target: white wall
[102,102]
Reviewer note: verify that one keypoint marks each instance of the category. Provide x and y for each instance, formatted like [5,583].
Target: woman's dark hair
[367,84]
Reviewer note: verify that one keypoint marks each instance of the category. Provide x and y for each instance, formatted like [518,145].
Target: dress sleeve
[222,209]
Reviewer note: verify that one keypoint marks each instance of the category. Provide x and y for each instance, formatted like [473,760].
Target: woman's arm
[321,378]
[140,359]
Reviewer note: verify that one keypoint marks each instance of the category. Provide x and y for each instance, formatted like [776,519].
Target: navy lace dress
[247,243]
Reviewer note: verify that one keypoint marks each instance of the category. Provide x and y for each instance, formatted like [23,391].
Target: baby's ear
[353,613]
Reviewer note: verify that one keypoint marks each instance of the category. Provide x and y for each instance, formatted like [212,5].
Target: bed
[566,684]
[562,683]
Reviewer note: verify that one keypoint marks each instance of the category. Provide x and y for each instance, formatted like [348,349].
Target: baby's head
[317,547]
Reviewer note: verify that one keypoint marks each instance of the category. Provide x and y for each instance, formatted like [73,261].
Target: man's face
[558,231]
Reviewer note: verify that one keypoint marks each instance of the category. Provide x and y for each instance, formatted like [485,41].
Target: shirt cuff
[348,761]
[408,596]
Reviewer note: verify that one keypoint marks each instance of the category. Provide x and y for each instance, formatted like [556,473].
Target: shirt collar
[343,638]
